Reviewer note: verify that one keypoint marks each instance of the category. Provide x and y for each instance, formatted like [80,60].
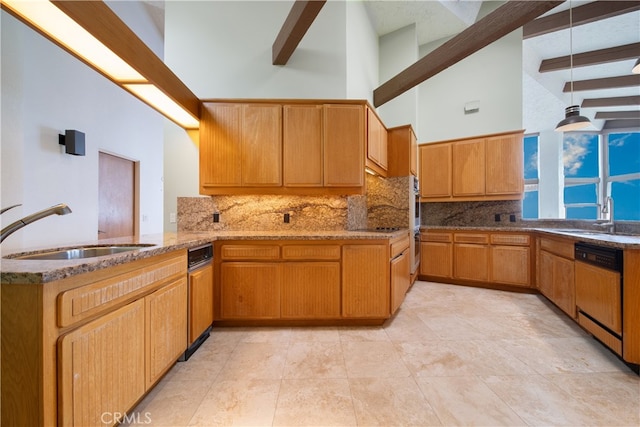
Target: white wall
[493,76]
[45,91]
[223,49]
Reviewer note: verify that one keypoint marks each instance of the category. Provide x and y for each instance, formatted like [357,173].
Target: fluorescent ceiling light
[154,96]
[50,20]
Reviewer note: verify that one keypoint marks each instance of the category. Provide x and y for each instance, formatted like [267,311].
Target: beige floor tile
[314,402]
[391,402]
[373,359]
[203,366]
[362,333]
[433,358]
[251,360]
[315,359]
[407,326]
[614,397]
[268,334]
[315,333]
[173,404]
[245,402]
[467,401]
[488,357]
[451,326]
[539,402]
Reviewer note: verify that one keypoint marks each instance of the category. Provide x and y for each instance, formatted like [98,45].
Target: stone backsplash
[472,214]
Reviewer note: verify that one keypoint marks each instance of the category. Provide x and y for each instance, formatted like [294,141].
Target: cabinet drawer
[436,237]
[241,252]
[480,239]
[564,249]
[397,246]
[314,252]
[83,302]
[510,239]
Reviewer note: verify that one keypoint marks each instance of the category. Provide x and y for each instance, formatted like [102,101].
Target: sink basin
[82,252]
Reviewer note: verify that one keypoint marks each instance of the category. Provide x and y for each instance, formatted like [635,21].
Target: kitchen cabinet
[473,169]
[435,171]
[250,290]
[510,256]
[302,145]
[556,279]
[344,140]
[102,367]
[436,254]
[91,343]
[400,265]
[200,301]
[402,151]
[376,144]
[471,256]
[365,281]
[311,290]
[240,146]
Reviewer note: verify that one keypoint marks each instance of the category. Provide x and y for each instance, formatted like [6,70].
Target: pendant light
[573,120]
[636,67]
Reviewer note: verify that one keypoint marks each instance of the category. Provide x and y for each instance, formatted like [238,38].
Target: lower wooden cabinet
[471,261]
[101,368]
[310,290]
[201,301]
[250,290]
[400,279]
[436,254]
[365,281]
[556,277]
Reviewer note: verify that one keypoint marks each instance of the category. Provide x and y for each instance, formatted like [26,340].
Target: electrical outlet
[497,217]
[172,217]
[287,218]
[512,218]
[216,217]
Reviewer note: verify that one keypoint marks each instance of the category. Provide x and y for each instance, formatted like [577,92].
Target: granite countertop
[43,271]
[620,241]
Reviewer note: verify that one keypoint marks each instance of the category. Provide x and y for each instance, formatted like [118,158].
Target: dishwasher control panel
[609,258]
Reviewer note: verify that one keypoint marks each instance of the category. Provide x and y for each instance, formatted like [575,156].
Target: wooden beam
[621,124]
[595,57]
[590,12]
[99,20]
[301,16]
[505,19]
[611,102]
[603,83]
[618,115]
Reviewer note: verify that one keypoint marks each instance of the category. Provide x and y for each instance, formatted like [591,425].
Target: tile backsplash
[472,214]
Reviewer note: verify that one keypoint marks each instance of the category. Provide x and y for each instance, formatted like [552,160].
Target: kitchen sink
[79,253]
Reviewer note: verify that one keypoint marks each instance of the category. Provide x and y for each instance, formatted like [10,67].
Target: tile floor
[452,355]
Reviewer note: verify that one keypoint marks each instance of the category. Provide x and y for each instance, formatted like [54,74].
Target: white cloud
[576,148]
[619,141]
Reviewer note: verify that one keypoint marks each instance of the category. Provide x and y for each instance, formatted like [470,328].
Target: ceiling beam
[621,124]
[595,57]
[618,115]
[301,16]
[505,19]
[99,20]
[603,83]
[611,102]
[590,12]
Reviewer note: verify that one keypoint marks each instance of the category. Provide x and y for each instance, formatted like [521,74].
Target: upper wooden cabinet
[402,150]
[279,147]
[377,159]
[483,168]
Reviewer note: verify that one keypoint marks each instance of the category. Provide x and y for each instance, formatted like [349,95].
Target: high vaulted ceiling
[609,103]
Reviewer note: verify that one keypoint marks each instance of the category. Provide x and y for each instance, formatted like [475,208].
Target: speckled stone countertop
[620,241]
[43,271]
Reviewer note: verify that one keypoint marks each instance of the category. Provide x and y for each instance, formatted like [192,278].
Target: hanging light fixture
[573,120]
[636,67]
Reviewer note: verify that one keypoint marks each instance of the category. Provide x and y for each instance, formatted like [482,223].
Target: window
[530,202]
[581,161]
[623,174]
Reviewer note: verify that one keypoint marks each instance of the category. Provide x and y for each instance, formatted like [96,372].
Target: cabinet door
[468,167]
[598,293]
[510,265]
[471,262]
[545,274]
[365,281]
[166,313]
[200,301]
[261,145]
[220,145]
[376,143]
[400,279]
[302,145]
[101,367]
[436,259]
[504,164]
[343,145]
[564,285]
[435,170]
[413,144]
[311,290]
[250,290]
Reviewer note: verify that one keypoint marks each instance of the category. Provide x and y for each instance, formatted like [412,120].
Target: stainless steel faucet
[59,209]
[607,211]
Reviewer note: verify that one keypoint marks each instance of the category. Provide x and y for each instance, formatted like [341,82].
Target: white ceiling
[438,19]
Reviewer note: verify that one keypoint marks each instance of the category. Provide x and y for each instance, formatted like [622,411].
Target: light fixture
[573,120]
[92,32]
[636,67]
